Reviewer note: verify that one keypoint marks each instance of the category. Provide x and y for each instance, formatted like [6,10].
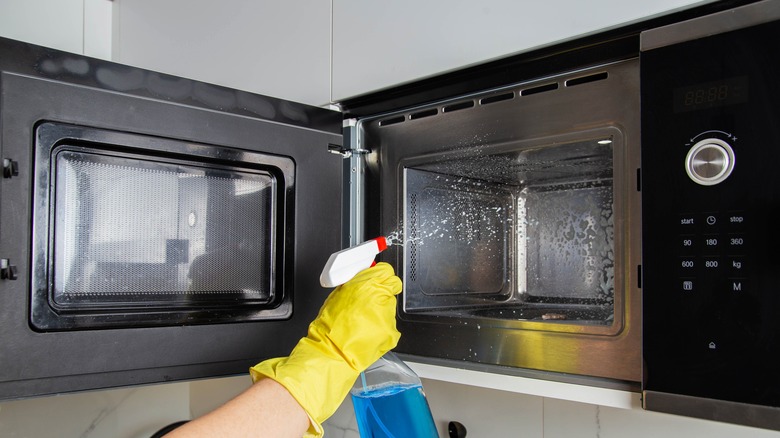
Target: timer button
[709,162]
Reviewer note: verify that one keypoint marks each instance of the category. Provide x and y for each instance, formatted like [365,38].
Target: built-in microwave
[155,228]
[179,227]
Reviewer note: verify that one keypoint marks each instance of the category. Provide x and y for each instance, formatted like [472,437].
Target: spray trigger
[345,264]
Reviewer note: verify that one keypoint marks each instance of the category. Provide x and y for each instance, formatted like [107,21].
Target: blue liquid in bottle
[395,411]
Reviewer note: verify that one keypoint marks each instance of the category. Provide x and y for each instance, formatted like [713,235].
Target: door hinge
[10,168]
[345,152]
[7,270]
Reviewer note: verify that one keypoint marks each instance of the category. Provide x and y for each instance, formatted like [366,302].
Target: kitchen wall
[279,49]
[381,44]
[312,51]
[315,52]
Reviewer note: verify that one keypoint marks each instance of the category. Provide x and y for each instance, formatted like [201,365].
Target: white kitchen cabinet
[279,49]
[77,26]
[377,45]
[53,23]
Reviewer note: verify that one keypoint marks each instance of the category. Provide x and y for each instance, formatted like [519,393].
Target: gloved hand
[355,327]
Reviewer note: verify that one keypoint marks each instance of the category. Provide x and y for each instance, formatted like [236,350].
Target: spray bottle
[388,397]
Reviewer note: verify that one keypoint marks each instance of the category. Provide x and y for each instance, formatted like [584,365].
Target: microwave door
[154,228]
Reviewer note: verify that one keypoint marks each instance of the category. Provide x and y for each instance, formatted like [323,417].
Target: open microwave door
[154,228]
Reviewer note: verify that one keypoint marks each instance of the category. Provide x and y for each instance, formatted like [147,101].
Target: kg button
[736,266]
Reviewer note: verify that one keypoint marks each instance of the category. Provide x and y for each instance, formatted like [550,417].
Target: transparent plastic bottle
[389,402]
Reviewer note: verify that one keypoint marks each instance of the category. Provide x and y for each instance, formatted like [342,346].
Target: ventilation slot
[422,114]
[540,89]
[587,79]
[497,98]
[392,121]
[458,106]
[413,238]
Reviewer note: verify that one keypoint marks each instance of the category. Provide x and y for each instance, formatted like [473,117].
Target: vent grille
[458,106]
[587,79]
[413,238]
[556,84]
[540,89]
[497,98]
[423,114]
[392,121]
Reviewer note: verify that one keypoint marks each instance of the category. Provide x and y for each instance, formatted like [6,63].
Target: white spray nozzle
[345,264]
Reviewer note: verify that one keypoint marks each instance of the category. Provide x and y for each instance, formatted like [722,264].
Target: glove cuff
[318,382]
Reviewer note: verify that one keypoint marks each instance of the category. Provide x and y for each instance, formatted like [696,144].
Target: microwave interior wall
[114,171]
[518,211]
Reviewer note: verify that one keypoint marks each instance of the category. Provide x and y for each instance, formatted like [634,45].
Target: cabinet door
[77,26]
[53,23]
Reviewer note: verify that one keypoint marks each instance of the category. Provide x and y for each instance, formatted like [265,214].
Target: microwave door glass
[131,232]
[140,231]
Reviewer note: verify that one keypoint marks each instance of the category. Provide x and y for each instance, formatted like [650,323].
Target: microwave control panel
[709,182]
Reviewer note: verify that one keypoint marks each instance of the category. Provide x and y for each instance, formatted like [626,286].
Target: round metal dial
[710,162]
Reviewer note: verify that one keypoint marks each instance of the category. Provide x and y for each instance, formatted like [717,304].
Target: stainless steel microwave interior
[518,213]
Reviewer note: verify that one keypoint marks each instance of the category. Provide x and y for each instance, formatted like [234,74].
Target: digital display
[711,94]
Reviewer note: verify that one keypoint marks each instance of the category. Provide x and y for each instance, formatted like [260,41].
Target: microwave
[155,228]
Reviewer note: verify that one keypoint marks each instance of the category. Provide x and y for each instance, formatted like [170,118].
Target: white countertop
[524,385]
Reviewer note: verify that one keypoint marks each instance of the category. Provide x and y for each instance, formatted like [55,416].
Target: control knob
[710,161]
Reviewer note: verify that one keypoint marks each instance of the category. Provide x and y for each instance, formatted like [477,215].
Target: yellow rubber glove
[355,327]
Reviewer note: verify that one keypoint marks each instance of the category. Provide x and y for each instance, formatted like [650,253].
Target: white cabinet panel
[52,23]
[280,49]
[381,44]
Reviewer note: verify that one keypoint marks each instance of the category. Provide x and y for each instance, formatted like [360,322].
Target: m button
[738,285]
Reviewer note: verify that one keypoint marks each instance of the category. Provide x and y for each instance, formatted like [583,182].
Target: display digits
[706,95]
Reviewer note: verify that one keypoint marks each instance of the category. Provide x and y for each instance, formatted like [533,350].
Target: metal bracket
[7,270]
[10,168]
[345,152]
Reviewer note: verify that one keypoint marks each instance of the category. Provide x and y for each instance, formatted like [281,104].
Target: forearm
[265,409]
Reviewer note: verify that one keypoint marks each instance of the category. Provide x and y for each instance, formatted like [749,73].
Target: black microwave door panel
[45,87]
[710,252]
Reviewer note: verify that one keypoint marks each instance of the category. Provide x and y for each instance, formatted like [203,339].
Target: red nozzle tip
[381,243]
